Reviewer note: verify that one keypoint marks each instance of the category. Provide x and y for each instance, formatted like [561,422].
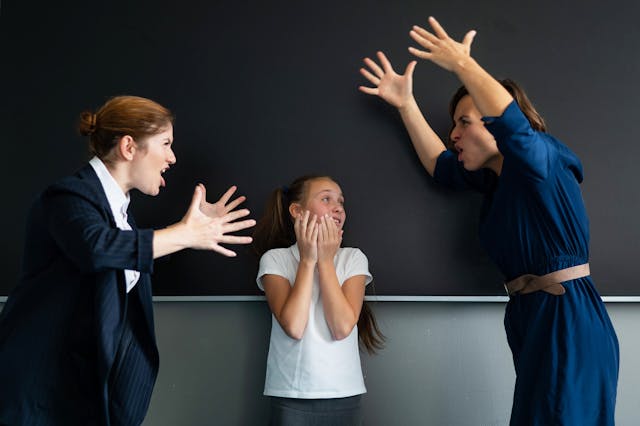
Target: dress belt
[550,283]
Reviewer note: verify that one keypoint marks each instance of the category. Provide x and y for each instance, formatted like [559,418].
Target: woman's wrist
[169,240]
[464,66]
[407,105]
[179,235]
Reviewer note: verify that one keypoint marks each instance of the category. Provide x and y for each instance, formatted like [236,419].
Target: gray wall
[445,364]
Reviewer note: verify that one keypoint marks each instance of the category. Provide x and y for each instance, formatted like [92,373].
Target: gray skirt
[316,412]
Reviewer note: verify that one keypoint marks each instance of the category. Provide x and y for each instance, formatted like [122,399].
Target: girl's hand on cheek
[329,239]
[307,236]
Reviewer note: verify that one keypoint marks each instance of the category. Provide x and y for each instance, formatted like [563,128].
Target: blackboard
[266,91]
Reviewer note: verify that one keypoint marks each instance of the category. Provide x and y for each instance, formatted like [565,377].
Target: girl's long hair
[275,230]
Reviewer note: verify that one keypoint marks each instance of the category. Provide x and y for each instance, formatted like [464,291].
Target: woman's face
[151,161]
[324,196]
[476,147]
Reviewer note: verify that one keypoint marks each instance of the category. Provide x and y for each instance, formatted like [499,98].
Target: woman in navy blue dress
[533,225]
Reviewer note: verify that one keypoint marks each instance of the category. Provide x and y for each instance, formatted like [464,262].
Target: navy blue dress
[533,221]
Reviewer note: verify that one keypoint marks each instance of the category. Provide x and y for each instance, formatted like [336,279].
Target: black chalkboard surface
[266,91]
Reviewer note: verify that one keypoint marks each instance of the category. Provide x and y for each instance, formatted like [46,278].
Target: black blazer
[61,330]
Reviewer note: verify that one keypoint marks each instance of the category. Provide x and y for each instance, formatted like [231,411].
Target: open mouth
[162,181]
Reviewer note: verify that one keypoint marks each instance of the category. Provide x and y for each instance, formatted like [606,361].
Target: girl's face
[323,196]
[476,147]
[150,162]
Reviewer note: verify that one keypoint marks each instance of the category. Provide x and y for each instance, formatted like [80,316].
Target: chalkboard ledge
[485,299]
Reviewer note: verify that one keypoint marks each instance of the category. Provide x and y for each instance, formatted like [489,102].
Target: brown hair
[275,230]
[120,116]
[521,98]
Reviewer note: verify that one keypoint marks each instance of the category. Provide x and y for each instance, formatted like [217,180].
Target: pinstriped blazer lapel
[87,173]
[109,297]
[144,290]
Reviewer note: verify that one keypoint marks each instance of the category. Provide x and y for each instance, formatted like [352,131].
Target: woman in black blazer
[77,343]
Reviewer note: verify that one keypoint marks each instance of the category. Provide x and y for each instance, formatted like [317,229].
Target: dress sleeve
[450,172]
[522,146]
[83,232]
[358,264]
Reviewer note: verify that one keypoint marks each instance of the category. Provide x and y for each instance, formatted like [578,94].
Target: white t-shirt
[316,366]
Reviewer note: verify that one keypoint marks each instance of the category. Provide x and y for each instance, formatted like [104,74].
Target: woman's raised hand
[394,88]
[220,207]
[440,48]
[206,232]
[306,230]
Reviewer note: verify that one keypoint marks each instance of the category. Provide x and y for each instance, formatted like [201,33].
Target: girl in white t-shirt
[315,290]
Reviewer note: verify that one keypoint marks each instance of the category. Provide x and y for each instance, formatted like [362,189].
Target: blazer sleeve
[82,227]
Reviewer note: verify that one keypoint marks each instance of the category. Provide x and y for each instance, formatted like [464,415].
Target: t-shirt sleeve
[358,264]
[522,146]
[450,173]
[270,263]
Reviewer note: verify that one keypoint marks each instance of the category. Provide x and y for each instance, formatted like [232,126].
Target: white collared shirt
[119,203]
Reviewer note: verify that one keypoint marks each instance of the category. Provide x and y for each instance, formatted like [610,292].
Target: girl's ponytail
[371,338]
[275,228]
